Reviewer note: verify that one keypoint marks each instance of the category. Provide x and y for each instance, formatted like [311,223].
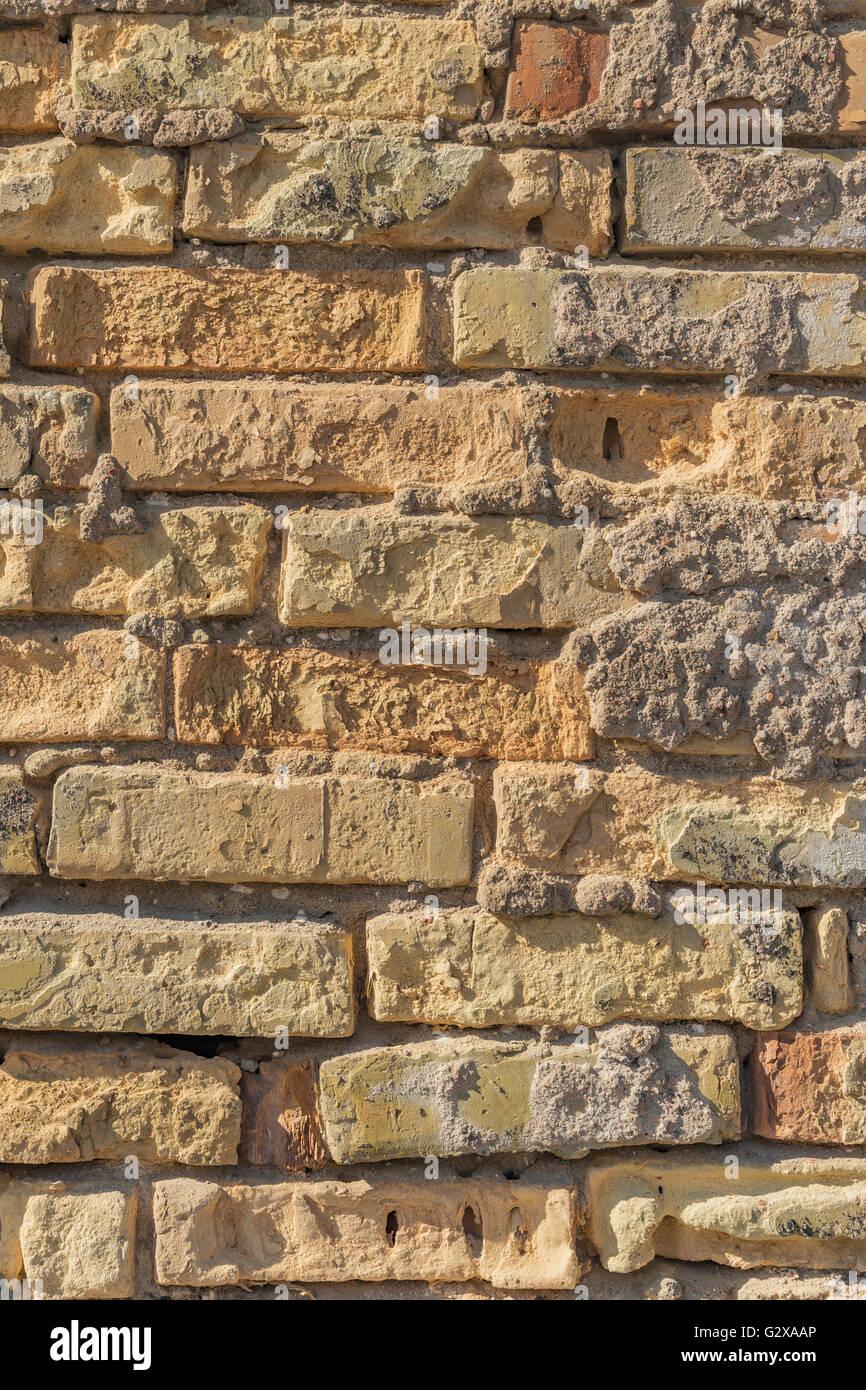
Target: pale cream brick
[513,1235]
[468,968]
[99,973]
[372,568]
[92,685]
[56,196]
[170,824]
[69,1240]
[147,1101]
[286,65]
[218,319]
[782,1207]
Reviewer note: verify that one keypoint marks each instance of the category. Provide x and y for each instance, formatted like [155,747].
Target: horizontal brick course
[226,320]
[312,699]
[637,319]
[268,436]
[112,974]
[526,1240]
[283,66]
[152,1102]
[484,1097]
[370,568]
[261,187]
[152,824]
[468,968]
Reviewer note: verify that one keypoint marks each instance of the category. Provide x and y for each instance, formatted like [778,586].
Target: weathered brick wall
[376,977]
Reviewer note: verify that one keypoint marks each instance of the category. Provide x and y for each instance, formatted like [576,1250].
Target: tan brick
[164,318]
[632,1085]
[630,318]
[284,187]
[153,824]
[290,65]
[306,698]
[274,436]
[470,969]
[77,1239]
[369,568]
[100,973]
[57,196]
[151,1102]
[711,827]
[679,199]
[199,561]
[512,1235]
[780,1208]
[826,957]
[47,430]
[22,812]
[281,1126]
[29,73]
[662,438]
[84,686]
[807,1088]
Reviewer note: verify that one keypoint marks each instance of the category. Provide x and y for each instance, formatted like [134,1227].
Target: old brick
[556,69]
[88,686]
[263,188]
[47,430]
[29,74]
[286,66]
[713,827]
[152,824]
[99,973]
[632,1085]
[663,438]
[369,568]
[150,1101]
[631,318]
[4,355]
[75,1240]
[200,561]
[57,196]
[513,1235]
[306,698]
[226,319]
[684,200]
[281,1127]
[22,812]
[269,436]
[808,1088]
[826,957]
[468,968]
[783,1208]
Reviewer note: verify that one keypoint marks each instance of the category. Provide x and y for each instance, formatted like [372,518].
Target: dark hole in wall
[611,440]
[392,1226]
[473,1230]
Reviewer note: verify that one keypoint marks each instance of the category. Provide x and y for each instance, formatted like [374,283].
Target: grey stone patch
[106,513]
[644,321]
[776,648]
[531,893]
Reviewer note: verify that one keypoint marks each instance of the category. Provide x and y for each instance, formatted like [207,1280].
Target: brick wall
[536,962]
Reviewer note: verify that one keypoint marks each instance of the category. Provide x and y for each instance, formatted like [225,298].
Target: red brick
[557,69]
